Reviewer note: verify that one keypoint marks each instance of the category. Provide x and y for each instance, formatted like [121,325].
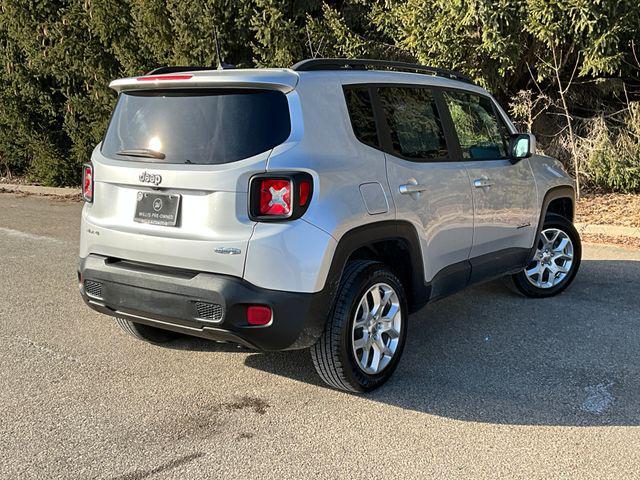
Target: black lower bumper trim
[166,298]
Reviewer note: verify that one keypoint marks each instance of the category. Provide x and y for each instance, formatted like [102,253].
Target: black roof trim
[315,64]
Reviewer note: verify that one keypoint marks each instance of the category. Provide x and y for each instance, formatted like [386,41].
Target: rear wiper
[142,152]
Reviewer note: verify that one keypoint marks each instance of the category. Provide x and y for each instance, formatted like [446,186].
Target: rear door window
[481,133]
[414,123]
[197,126]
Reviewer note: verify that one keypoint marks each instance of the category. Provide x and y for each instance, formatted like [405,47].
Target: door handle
[411,188]
[482,183]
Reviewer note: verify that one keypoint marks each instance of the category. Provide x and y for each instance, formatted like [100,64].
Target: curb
[39,190]
[608,230]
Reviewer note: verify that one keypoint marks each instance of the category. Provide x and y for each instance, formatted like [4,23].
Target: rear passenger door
[428,189]
[504,194]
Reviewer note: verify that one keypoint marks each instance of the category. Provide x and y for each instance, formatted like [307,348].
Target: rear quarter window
[197,126]
[361,115]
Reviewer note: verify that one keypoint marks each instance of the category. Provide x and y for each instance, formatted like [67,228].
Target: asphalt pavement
[491,385]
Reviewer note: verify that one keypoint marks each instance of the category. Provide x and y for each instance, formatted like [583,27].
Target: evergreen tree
[58,57]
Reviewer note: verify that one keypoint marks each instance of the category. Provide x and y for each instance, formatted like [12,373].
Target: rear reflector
[258,315]
[87,182]
[153,78]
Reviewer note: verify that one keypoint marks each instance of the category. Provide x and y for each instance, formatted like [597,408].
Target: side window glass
[361,115]
[482,135]
[412,116]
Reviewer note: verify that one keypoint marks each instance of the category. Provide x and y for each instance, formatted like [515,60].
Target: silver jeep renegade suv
[314,207]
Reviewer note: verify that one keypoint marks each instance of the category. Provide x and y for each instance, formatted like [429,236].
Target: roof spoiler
[203,77]
[178,69]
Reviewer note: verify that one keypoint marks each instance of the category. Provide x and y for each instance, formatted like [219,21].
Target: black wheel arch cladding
[376,233]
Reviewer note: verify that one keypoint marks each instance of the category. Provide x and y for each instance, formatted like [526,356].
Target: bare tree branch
[534,79]
[575,67]
[562,92]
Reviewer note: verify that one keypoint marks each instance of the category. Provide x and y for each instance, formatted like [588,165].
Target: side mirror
[521,145]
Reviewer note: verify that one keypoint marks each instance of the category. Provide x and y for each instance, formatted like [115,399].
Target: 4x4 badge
[154,178]
[228,250]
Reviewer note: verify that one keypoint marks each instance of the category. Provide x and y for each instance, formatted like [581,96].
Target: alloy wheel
[553,259]
[376,328]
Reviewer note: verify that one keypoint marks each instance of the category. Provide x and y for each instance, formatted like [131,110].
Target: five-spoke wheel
[376,328]
[366,330]
[553,259]
[555,262]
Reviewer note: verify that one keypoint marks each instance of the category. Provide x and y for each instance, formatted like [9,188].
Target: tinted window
[198,126]
[482,135]
[361,115]
[412,116]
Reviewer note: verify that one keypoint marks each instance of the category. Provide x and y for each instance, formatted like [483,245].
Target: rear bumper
[202,304]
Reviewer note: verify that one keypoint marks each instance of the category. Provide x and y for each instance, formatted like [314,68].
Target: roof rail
[363,64]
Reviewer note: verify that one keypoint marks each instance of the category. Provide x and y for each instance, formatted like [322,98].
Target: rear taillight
[304,192]
[281,196]
[275,197]
[87,182]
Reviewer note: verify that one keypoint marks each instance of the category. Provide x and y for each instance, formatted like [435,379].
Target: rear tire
[145,332]
[555,263]
[366,330]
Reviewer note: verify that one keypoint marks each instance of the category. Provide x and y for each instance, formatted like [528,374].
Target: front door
[504,194]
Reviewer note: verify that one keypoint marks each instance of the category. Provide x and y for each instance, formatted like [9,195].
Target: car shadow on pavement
[490,355]
[197,344]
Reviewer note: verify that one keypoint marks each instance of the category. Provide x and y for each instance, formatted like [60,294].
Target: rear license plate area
[157,209]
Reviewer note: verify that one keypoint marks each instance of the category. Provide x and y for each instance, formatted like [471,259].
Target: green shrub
[610,156]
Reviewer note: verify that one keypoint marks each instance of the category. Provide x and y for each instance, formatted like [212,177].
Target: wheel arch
[560,200]
[563,206]
[395,243]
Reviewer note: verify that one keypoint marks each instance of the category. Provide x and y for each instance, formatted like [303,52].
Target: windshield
[196,126]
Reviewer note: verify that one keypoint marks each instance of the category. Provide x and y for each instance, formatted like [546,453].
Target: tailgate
[192,151]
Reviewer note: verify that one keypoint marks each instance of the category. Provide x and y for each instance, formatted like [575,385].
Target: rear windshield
[196,126]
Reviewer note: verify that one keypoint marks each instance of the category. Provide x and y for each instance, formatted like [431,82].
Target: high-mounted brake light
[153,78]
[279,196]
[87,182]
